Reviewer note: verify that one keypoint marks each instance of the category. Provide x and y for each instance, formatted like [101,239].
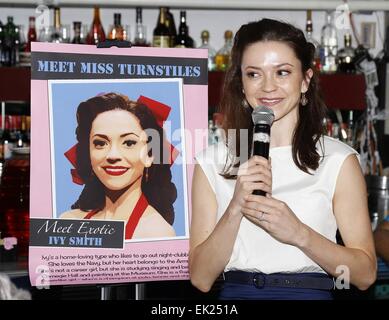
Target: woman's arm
[351,213]
[212,241]
[381,237]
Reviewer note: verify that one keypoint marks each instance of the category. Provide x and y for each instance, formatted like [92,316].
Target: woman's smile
[269,102]
[115,170]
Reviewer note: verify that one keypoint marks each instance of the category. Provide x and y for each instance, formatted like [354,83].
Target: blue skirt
[242,291]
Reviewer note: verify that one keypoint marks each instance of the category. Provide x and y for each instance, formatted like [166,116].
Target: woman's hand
[276,218]
[255,174]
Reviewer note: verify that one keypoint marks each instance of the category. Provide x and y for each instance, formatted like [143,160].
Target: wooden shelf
[303,5]
[340,91]
[15,83]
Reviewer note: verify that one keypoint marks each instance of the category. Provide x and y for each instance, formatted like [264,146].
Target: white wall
[216,21]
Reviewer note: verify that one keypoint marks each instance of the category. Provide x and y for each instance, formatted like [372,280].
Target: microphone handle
[261,145]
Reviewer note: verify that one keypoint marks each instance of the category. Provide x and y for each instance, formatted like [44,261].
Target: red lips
[115,170]
[270,102]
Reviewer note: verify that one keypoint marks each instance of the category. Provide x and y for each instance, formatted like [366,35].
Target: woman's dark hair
[159,190]
[309,127]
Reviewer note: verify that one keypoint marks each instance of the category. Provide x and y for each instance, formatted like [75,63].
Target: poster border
[182,143]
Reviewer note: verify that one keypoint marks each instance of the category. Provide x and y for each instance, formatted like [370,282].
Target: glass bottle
[172,27]
[211,133]
[350,129]
[21,42]
[6,141]
[77,38]
[183,39]
[329,45]
[1,151]
[56,36]
[31,35]
[161,32]
[346,56]
[140,30]
[117,31]
[311,39]
[96,33]
[1,43]
[11,43]
[223,56]
[211,51]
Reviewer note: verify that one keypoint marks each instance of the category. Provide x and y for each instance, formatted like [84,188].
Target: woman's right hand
[254,174]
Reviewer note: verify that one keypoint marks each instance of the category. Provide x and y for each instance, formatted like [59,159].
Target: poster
[113,135]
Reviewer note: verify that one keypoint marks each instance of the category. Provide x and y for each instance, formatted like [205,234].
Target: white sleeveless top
[308,196]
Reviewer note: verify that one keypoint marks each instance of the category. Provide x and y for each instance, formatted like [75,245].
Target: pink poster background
[138,262]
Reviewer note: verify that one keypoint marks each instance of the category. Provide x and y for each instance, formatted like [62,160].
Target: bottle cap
[228,34]
[205,34]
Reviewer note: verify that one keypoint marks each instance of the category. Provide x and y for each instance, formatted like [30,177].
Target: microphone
[262,118]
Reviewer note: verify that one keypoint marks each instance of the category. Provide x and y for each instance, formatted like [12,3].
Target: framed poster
[111,162]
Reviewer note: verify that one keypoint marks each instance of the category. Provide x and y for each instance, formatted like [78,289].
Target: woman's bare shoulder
[153,225]
[73,214]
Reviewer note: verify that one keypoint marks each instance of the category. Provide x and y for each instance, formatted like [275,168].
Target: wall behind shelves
[216,21]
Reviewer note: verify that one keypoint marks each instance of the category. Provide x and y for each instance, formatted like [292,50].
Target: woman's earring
[245,104]
[303,100]
[147,175]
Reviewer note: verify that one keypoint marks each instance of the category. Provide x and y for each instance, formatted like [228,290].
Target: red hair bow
[160,111]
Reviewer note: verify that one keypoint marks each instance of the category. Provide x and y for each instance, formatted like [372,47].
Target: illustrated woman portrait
[124,177]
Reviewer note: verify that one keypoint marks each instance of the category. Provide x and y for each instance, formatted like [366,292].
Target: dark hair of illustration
[159,190]
[309,127]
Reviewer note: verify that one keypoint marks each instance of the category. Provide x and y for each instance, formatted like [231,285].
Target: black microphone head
[263,115]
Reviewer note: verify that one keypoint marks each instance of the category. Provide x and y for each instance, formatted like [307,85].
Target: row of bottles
[14,48]
[9,43]
[218,60]
[328,59]
[344,131]
[16,134]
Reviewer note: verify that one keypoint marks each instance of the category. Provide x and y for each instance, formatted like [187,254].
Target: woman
[123,179]
[281,246]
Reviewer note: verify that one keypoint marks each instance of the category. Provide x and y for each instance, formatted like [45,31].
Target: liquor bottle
[1,43]
[172,27]
[329,45]
[1,151]
[161,33]
[77,38]
[24,134]
[346,56]
[117,31]
[11,43]
[5,141]
[96,33]
[223,56]
[28,128]
[31,35]
[211,51]
[311,39]
[183,39]
[13,130]
[56,36]
[140,39]
[350,129]
[211,133]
